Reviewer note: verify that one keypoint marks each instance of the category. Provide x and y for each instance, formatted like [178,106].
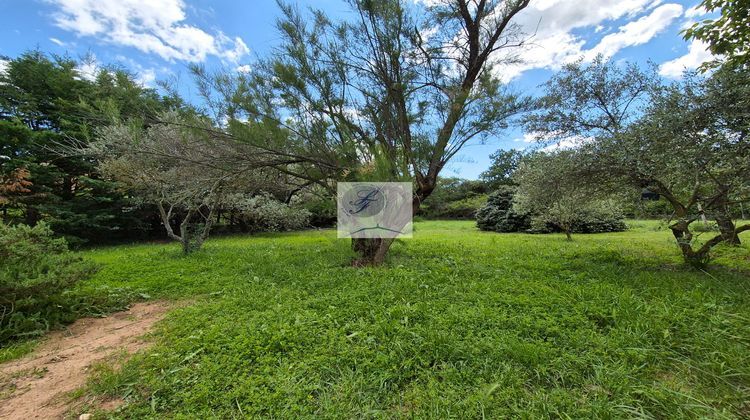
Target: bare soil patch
[38,385]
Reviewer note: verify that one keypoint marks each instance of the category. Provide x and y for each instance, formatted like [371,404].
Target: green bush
[263,213]
[322,210]
[465,208]
[454,198]
[498,214]
[597,217]
[36,273]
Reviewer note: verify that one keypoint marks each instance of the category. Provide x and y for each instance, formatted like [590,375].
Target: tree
[171,166]
[691,148]
[189,169]
[584,101]
[687,142]
[15,183]
[500,172]
[548,190]
[44,102]
[728,35]
[392,94]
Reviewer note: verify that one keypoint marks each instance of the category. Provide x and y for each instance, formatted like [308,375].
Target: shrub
[465,208]
[35,273]
[322,210]
[594,217]
[454,198]
[498,214]
[263,213]
[599,218]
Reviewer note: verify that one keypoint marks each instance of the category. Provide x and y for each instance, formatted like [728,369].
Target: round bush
[498,215]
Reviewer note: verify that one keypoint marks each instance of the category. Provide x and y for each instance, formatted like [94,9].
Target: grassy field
[460,323]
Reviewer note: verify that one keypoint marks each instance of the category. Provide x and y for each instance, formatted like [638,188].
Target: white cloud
[567,143]
[528,138]
[697,54]
[245,68]
[3,66]
[146,77]
[155,26]
[552,141]
[57,41]
[637,32]
[555,25]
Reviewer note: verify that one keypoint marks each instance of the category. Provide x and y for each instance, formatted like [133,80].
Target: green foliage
[686,142]
[728,35]
[322,209]
[46,104]
[500,172]
[550,192]
[499,215]
[585,100]
[263,213]
[460,324]
[36,273]
[455,198]
[597,217]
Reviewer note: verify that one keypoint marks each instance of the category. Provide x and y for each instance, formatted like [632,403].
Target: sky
[158,39]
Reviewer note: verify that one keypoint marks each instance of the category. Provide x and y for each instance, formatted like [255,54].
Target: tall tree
[45,101]
[394,93]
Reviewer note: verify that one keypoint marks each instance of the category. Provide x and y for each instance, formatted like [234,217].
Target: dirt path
[35,386]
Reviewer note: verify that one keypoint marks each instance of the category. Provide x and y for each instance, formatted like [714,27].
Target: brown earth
[38,386]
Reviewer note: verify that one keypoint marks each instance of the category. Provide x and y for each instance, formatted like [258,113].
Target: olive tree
[186,169]
[550,193]
[391,94]
[690,146]
[686,142]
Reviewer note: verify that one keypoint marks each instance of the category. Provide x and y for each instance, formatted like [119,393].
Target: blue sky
[157,39]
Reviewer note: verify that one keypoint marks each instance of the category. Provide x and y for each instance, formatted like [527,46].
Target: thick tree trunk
[372,251]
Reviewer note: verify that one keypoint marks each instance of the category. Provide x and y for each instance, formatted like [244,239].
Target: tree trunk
[727,229]
[567,235]
[372,251]
[703,215]
[684,237]
[723,218]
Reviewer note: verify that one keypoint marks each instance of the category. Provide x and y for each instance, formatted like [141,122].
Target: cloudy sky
[158,39]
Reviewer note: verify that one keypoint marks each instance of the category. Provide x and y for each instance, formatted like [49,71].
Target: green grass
[17,350]
[460,323]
